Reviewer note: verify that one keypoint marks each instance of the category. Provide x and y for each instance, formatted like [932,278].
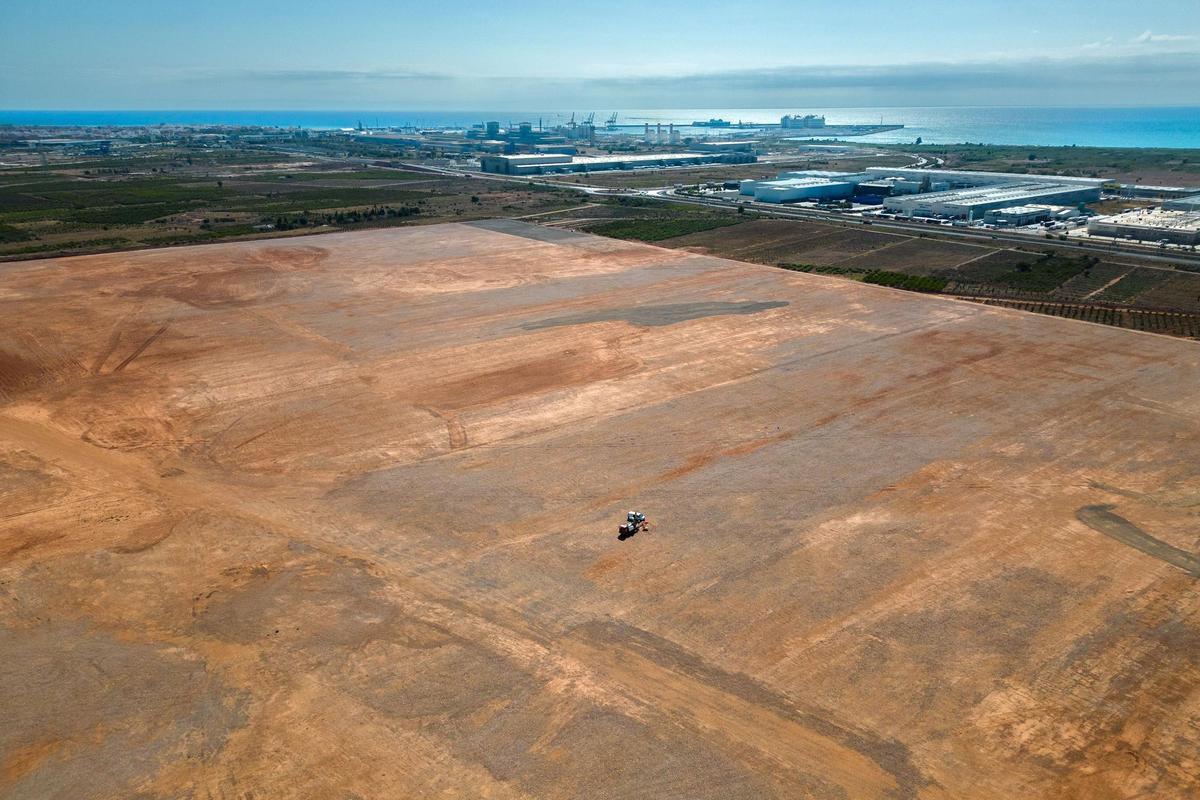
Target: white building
[550,163]
[975,202]
[970,178]
[793,189]
[1152,225]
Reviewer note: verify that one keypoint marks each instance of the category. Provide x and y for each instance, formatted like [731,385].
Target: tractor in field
[634,521]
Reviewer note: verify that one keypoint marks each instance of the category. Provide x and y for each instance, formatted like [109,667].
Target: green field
[655,230]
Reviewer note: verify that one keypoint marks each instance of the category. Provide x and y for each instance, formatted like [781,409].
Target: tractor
[634,521]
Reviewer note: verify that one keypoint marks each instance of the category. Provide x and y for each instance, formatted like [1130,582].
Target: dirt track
[338,519]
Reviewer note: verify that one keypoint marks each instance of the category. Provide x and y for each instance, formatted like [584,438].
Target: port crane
[612,121]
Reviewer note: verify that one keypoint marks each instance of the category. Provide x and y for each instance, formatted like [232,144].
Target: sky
[520,54]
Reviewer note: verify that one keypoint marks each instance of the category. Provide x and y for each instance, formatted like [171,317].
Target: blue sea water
[1100,127]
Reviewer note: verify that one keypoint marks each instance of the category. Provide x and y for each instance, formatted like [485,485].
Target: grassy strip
[326,199]
[821,270]
[655,230]
[10,234]
[898,280]
[126,215]
[882,277]
[1047,273]
[55,247]
[204,236]
[1134,283]
[355,175]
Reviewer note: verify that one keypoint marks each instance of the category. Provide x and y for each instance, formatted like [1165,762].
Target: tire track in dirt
[455,432]
[151,339]
[1102,520]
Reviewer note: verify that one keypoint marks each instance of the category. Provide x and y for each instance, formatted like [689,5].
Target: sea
[1170,127]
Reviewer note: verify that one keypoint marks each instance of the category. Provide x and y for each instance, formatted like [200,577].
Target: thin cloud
[1120,74]
[310,76]
[1149,37]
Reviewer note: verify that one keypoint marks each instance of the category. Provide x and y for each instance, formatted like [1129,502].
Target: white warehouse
[803,185]
[549,163]
[1153,225]
[973,203]
[792,189]
[968,177]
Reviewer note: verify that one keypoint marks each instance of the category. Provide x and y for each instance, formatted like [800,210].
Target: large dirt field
[336,517]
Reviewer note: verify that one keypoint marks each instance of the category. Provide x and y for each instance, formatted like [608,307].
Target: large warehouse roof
[968,176]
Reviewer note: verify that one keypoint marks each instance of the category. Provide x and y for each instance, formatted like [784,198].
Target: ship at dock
[813,126]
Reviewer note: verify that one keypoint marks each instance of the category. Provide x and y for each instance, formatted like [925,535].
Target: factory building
[896,185]
[825,173]
[724,147]
[523,163]
[793,189]
[1016,216]
[1151,192]
[803,185]
[1183,204]
[747,187]
[550,163]
[1150,225]
[963,178]
[975,202]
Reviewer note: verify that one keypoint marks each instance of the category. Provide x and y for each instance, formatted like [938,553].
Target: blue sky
[456,54]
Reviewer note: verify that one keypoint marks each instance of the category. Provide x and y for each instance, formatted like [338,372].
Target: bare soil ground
[336,517]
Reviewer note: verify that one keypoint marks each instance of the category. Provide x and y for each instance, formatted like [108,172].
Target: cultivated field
[336,517]
[977,270]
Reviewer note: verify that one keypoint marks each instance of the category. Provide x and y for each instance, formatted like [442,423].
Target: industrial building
[962,178]
[792,189]
[1183,204]
[724,146]
[925,193]
[897,185]
[807,185]
[550,163]
[975,202]
[1016,216]
[1152,225]
[862,183]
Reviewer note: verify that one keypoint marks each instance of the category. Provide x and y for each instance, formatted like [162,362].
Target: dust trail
[1101,519]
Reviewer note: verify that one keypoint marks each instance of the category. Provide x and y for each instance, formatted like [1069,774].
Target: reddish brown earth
[338,519]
